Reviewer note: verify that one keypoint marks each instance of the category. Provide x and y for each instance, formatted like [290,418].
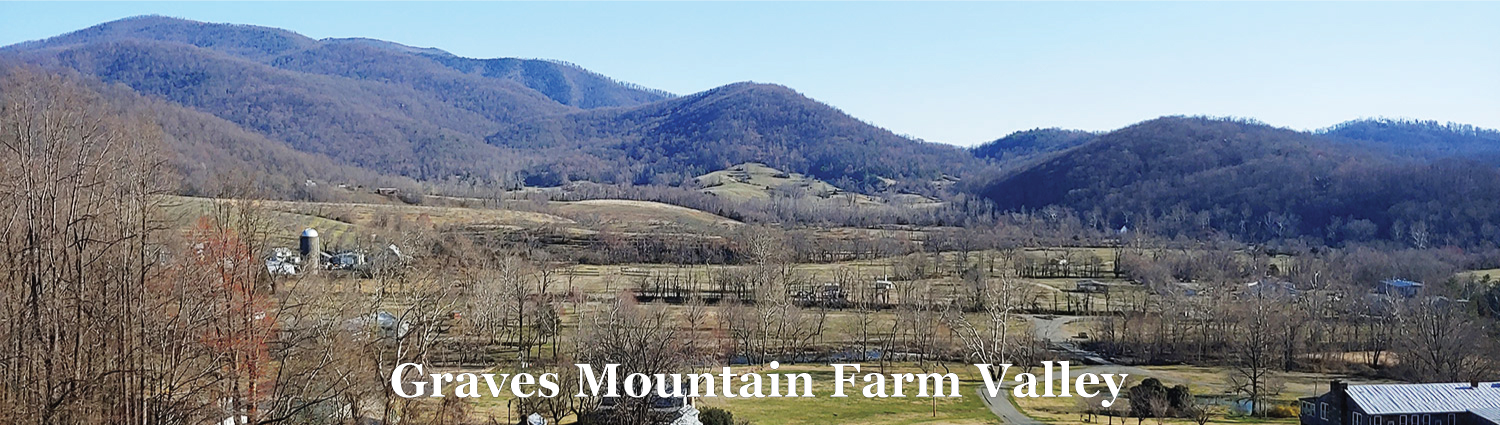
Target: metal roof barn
[1425,398]
[1491,414]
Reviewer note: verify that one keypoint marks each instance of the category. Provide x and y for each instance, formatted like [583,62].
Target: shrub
[1282,411]
[1143,398]
[716,416]
[1181,399]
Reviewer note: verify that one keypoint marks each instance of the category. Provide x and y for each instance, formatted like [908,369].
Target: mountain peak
[250,41]
[754,87]
[388,45]
[1032,142]
[1424,139]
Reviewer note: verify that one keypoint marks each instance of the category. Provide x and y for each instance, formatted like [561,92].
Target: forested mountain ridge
[690,135]
[429,115]
[1022,144]
[284,109]
[565,83]
[248,41]
[1197,176]
[209,152]
[1422,139]
[268,45]
[382,126]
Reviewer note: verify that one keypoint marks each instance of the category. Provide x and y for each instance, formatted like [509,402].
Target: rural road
[1001,406]
[1051,329]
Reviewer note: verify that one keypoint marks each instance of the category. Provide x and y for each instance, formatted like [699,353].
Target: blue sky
[960,73]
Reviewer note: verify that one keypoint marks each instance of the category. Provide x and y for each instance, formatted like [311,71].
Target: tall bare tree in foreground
[1253,351]
[108,318]
[78,184]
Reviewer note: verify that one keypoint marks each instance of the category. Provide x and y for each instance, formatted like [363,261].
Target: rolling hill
[283,112]
[344,224]
[1420,139]
[269,45]
[691,135]
[427,115]
[757,181]
[1022,145]
[1180,175]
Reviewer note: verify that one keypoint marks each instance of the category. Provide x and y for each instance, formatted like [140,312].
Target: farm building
[283,261]
[664,410]
[384,324]
[1402,287]
[1091,286]
[828,294]
[344,260]
[1464,403]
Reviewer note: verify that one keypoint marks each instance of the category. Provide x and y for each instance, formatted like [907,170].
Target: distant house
[344,260]
[828,294]
[283,261]
[383,324]
[1091,286]
[1464,403]
[1268,288]
[664,410]
[883,289]
[1401,287]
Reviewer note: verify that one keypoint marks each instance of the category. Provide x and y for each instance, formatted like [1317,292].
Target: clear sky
[960,73]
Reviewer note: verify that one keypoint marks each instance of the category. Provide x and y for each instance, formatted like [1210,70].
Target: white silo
[312,249]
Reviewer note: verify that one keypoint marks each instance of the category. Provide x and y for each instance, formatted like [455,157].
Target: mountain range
[427,115]
[284,109]
[1399,180]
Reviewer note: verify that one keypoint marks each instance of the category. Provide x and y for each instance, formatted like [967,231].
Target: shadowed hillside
[1193,176]
[745,122]
[428,115]
[1025,144]
[1423,139]
[568,84]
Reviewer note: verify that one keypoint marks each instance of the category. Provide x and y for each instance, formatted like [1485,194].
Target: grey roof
[1491,414]
[1402,283]
[1425,398]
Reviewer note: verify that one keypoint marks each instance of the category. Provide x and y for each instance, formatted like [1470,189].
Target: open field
[757,181]
[642,216]
[341,224]
[345,224]
[856,409]
[1209,384]
[1494,274]
[823,409]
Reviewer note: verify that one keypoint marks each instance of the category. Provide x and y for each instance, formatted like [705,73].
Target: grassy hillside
[758,181]
[341,224]
[642,216]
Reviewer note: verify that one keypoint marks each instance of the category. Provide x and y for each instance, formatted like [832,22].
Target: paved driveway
[1051,329]
[1002,407]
